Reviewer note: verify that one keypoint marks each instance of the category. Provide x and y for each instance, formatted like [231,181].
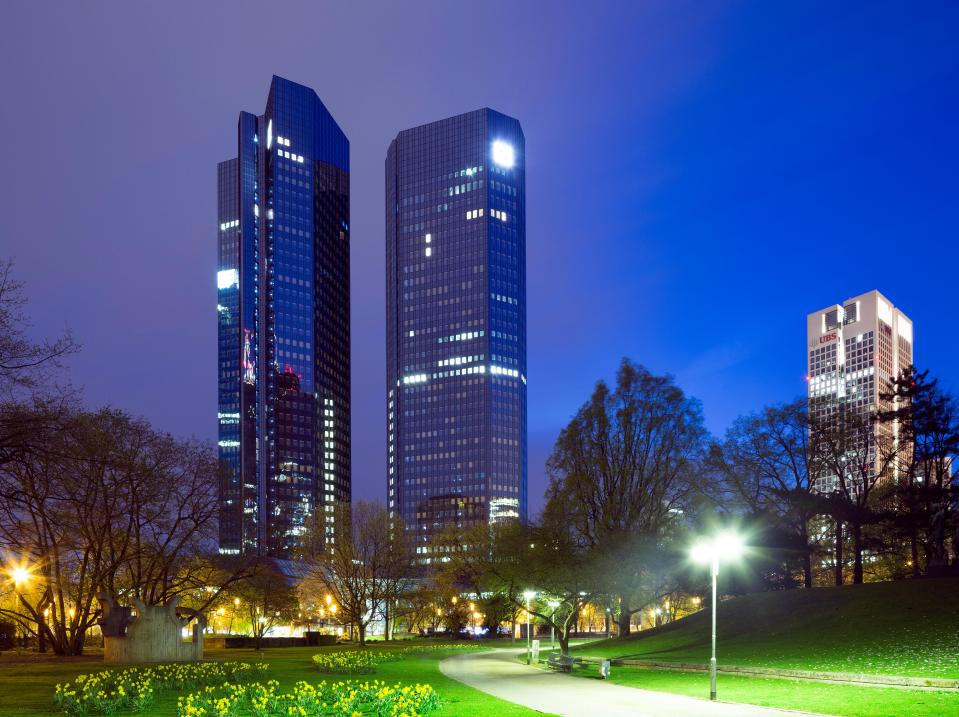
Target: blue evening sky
[700,176]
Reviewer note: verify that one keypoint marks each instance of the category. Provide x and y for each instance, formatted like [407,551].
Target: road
[500,674]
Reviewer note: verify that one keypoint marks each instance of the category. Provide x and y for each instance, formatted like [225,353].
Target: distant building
[283,287]
[456,323]
[854,350]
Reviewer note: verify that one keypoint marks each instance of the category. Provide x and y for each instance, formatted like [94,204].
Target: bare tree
[765,459]
[24,364]
[417,607]
[627,467]
[31,402]
[268,598]
[362,561]
[853,463]
[109,505]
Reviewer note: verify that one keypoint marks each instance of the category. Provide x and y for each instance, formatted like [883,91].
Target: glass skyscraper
[283,287]
[456,323]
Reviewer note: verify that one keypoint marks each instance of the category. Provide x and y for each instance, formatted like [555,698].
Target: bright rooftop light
[503,154]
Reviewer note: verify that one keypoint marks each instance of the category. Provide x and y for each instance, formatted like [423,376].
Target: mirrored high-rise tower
[283,323]
[456,324]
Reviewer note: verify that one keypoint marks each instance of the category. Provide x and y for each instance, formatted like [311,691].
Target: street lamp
[20,576]
[725,546]
[529,595]
[552,624]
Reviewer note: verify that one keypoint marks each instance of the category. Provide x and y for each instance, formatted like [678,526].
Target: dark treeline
[98,501]
[92,501]
[635,478]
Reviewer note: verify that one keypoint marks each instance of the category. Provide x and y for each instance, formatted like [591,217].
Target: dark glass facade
[283,323]
[456,323]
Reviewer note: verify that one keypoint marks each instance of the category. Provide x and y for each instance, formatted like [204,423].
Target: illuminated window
[227,278]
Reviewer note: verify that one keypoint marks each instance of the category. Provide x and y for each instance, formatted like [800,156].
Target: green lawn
[906,628]
[26,686]
[843,700]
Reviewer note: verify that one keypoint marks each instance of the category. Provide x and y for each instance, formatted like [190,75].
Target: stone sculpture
[151,633]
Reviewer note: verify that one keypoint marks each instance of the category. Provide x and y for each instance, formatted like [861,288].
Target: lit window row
[285,141]
[505,299]
[464,188]
[290,156]
[415,378]
[229,225]
[458,360]
[497,214]
[474,214]
[502,371]
[459,337]
[460,372]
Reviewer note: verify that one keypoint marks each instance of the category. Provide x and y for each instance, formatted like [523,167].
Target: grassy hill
[908,628]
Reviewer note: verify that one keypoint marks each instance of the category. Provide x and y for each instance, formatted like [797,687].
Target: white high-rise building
[854,349]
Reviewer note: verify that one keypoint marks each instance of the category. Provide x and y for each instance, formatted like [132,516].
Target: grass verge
[26,687]
[840,700]
[908,628]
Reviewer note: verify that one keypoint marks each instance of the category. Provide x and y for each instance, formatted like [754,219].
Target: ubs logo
[826,338]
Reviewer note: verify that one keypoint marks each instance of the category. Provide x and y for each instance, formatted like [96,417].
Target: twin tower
[455,220]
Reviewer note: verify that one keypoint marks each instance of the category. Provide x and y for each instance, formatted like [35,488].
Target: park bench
[561,663]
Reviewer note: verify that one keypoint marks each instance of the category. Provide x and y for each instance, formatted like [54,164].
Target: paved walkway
[500,674]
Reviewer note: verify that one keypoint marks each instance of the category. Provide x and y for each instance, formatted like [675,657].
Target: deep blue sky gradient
[700,176]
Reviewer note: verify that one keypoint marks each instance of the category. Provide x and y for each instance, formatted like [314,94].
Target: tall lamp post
[529,595]
[20,576]
[725,546]
[552,624]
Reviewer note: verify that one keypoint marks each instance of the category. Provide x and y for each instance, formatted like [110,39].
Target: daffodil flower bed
[364,662]
[342,699]
[134,689]
[351,662]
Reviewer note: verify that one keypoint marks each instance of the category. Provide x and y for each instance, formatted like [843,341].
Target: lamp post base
[712,679]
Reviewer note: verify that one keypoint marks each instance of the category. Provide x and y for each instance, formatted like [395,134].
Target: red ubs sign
[826,338]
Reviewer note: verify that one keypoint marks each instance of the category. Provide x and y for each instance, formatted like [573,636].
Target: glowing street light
[552,628]
[529,595]
[20,575]
[725,546]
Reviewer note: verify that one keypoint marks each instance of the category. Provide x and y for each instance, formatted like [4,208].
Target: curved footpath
[500,674]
